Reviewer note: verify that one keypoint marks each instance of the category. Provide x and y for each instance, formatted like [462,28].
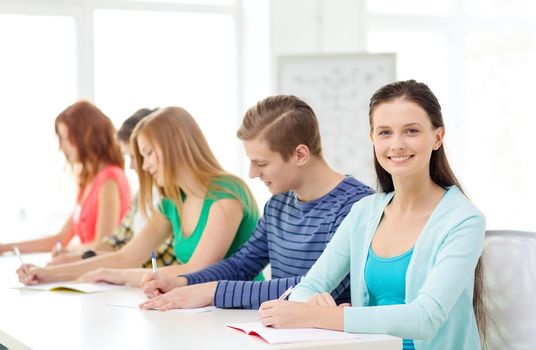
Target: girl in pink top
[86,214]
[87,138]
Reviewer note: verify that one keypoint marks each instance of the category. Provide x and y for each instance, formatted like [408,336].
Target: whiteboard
[338,88]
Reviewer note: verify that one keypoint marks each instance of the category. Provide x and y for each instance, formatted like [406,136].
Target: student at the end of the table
[133,221]
[282,140]
[87,139]
[209,211]
[412,249]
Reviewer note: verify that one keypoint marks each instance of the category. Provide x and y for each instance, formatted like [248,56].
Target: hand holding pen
[154,284]
[153,262]
[286,293]
[19,255]
[28,273]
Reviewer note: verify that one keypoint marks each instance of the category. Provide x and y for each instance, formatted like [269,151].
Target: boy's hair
[124,132]
[285,122]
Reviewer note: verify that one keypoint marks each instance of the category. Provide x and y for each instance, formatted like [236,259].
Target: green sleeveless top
[185,246]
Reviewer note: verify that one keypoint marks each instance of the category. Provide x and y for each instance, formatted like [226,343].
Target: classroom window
[500,74]
[413,7]
[477,56]
[123,55]
[500,7]
[429,67]
[197,2]
[156,59]
[38,73]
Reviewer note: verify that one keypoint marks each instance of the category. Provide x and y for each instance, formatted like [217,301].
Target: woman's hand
[31,274]
[197,295]
[322,299]
[288,314]
[320,311]
[154,284]
[112,276]
[325,299]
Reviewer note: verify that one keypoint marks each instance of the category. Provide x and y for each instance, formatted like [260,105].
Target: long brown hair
[184,150]
[440,170]
[93,135]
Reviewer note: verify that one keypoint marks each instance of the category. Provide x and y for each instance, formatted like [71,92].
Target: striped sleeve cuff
[250,294]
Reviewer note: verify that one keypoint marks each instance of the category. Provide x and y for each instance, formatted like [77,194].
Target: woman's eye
[413,131]
[384,132]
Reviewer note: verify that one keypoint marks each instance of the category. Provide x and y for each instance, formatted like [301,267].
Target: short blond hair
[285,122]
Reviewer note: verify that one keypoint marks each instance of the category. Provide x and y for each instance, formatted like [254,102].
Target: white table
[62,320]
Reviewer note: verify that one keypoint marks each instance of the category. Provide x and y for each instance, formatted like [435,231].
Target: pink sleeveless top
[84,219]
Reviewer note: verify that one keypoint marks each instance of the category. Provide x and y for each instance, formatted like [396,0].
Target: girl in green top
[226,187]
[209,211]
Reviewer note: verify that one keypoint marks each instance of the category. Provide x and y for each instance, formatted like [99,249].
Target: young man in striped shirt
[282,140]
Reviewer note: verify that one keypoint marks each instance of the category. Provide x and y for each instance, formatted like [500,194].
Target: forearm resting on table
[328,317]
[74,270]
[37,245]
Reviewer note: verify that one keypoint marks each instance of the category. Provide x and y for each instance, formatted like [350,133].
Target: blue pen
[153,261]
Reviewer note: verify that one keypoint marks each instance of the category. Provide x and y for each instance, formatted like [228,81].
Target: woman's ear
[440,134]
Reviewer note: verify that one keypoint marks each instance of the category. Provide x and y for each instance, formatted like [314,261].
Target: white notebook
[290,335]
[135,302]
[72,287]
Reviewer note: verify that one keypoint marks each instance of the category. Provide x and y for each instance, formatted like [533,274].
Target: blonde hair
[284,122]
[184,149]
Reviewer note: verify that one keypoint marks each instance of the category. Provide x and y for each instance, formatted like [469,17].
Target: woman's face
[152,159]
[66,146]
[404,138]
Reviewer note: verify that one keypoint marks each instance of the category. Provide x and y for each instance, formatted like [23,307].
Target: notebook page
[135,302]
[291,335]
[72,286]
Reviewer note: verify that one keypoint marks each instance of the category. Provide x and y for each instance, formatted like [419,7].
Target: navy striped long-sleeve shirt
[290,236]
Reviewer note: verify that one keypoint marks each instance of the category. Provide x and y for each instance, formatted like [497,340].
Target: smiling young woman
[412,249]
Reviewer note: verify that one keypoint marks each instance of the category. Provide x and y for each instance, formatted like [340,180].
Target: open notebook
[72,287]
[290,335]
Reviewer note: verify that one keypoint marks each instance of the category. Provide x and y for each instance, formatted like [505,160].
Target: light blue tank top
[386,282]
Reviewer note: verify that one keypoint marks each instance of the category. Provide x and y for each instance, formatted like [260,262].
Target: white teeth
[400,159]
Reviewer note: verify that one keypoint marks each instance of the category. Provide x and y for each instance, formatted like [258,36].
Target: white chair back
[510,289]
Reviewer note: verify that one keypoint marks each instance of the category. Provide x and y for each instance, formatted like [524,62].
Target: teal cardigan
[438,313]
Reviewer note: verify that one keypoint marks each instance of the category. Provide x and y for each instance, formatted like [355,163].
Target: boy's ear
[301,154]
